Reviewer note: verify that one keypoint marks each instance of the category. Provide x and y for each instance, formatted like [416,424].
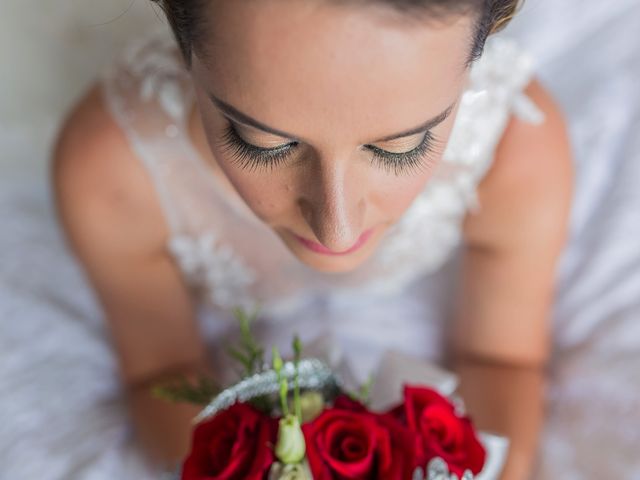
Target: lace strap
[145,90]
[497,83]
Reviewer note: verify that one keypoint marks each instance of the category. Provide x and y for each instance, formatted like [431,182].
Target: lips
[316,247]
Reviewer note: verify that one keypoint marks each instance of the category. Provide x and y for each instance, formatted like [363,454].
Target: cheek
[272,195]
[268,195]
[392,195]
[265,192]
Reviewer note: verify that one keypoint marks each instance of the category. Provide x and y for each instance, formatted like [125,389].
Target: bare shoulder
[514,241]
[100,184]
[107,206]
[526,194]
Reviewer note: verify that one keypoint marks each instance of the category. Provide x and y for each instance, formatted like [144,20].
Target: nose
[334,206]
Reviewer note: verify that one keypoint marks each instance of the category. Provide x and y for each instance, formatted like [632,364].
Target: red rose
[353,444]
[344,402]
[442,432]
[235,444]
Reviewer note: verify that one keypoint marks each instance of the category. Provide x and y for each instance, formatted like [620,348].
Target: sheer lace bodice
[215,238]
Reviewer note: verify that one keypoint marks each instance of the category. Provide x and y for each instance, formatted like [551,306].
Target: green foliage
[297,352]
[364,393]
[284,385]
[264,403]
[276,359]
[182,390]
[248,353]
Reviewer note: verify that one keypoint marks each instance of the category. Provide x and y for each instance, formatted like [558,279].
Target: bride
[323,160]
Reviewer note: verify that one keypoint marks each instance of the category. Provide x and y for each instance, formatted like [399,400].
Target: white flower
[290,448]
[299,471]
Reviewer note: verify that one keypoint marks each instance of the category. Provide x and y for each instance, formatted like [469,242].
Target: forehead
[314,66]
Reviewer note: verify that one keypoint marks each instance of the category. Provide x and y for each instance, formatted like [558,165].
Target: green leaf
[284,389]
[297,347]
[249,353]
[297,350]
[364,392]
[240,357]
[277,361]
[182,390]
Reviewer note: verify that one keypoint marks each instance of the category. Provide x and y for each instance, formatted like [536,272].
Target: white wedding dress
[230,258]
[61,409]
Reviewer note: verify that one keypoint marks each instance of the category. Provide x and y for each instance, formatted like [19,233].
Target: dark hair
[189,27]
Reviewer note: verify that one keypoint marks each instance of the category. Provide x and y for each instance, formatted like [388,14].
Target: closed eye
[417,158]
[250,156]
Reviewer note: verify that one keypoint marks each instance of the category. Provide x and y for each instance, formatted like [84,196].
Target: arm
[112,221]
[501,335]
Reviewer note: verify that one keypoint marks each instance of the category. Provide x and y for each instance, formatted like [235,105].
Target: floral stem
[284,387]
[297,404]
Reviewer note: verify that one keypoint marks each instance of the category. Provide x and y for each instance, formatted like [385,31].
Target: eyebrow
[428,125]
[245,119]
[240,117]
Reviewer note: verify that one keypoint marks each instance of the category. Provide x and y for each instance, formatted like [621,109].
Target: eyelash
[252,157]
[418,158]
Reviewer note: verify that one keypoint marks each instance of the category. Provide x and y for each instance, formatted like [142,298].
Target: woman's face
[327,119]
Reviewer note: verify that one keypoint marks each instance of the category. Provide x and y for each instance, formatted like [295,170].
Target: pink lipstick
[316,247]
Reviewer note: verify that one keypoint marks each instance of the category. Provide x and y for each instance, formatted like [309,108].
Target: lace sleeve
[145,91]
[497,91]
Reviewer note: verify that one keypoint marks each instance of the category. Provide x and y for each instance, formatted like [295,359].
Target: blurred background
[586,52]
[50,52]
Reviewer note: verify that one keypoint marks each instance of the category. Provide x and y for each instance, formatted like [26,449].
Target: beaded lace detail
[215,241]
[206,261]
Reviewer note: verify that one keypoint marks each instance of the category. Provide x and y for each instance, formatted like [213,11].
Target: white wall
[50,50]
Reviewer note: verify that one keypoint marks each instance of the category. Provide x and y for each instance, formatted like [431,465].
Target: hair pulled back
[188,25]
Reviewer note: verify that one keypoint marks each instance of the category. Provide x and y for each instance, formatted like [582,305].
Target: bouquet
[295,420]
